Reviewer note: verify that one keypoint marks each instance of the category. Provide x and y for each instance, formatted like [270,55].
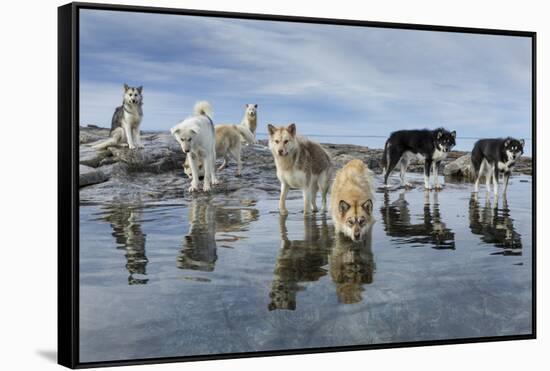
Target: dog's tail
[113,141]
[203,108]
[246,134]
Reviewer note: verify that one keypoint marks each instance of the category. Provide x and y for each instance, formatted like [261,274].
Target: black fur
[117,118]
[494,151]
[424,142]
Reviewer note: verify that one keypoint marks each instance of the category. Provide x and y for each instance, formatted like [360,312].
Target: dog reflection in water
[199,250]
[351,266]
[430,230]
[299,261]
[494,224]
[125,220]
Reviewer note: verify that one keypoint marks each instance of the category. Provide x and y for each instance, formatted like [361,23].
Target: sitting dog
[250,119]
[351,200]
[300,164]
[430,145]
[197,140]
[126,120]
[228,142]
[490,156]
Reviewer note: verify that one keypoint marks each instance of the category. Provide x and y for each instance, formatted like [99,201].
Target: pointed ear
[291,129]
[343,207]
[506,143]
[174,130]
[255,106]
[193,131]
[126,87]
[522,142]
[271,129]
[140,89]
[453,134]
[367,206]
[439,134]
[271,306]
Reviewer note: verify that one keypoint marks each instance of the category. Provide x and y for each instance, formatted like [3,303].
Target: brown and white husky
[352,200]
[301,164]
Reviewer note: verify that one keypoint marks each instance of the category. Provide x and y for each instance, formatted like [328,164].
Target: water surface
[218,275]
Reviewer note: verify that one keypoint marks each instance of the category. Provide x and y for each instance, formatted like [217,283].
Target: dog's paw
[215,182]
[407,185]
[193,188]
[438,187]
[428,187]
[206,188]
[140,146]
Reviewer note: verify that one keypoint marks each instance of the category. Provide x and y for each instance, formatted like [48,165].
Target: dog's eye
[189,139]
[286,141]
[350,222]
[276,141]
[361,221]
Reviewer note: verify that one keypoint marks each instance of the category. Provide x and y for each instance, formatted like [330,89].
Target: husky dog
[196,137]
[352,200]
[250,119]
[228,142]
[490,156]
[126,120]
[300,164]
[430,145]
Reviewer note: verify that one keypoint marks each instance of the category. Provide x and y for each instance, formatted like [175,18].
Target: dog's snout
[281,152]
[186,151]
[201,177]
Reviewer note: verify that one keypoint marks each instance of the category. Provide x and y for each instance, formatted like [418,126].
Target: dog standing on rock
[300,164]
[126,121]
[197,139]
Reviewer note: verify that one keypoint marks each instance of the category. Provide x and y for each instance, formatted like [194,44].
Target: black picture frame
[68,189]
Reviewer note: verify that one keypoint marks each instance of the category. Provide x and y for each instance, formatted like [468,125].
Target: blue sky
[330,80]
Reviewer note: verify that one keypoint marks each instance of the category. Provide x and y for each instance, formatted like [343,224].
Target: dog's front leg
[137,137]
[195,172]
[436,175]
[129,135]
[506,179]
[427,166]
[495,180]
[282,199]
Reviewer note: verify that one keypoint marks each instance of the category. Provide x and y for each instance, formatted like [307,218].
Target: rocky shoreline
[155,173]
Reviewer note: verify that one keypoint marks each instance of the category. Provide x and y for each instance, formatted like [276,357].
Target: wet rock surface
[155,173]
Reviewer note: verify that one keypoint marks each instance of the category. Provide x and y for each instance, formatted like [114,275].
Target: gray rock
[89,175]
[461,167]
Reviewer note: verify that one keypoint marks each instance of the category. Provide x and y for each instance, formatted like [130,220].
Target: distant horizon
[331,80]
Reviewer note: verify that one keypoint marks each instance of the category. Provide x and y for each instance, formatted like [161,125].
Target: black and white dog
[430,145]
[491,156]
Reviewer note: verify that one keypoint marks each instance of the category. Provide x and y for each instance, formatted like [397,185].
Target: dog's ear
[271,129]
[367,206]
[453,134]
[439,134]
[174,130]
[126,87]
[343,207]
[193,131]
[292,129]
[140,89]
[522,142]
[506,143]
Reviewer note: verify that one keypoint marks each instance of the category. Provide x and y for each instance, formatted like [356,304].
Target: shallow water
[220,275]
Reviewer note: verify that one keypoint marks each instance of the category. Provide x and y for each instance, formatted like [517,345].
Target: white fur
[196,137]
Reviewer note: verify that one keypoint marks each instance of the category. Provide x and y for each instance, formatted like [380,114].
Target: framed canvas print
[236,185]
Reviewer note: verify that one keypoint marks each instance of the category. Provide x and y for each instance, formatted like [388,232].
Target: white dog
[197,139]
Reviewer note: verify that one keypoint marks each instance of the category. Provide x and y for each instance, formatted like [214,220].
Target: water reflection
[351,267]
[431,230]
[199,250]
[299,261]
[199,245]
[125,220]
[494,224]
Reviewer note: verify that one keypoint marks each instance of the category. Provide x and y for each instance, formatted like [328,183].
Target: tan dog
[228,143]
[352,200]
[300,164]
